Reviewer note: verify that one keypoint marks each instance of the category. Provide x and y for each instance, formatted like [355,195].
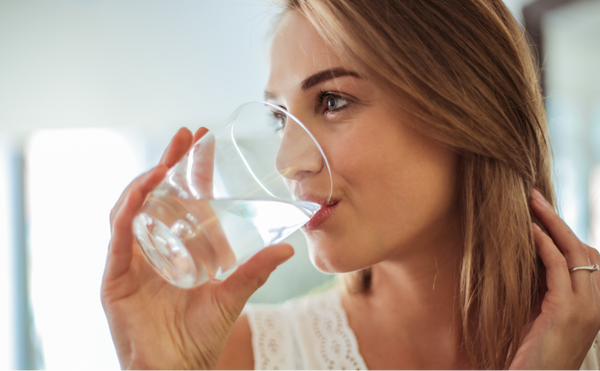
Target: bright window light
[73,178]
[7,302]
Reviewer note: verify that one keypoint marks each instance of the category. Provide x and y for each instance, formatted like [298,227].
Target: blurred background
[91,91]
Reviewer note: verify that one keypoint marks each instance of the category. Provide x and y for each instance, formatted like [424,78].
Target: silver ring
[591,268]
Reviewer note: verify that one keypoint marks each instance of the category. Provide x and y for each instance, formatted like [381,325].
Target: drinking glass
[248,183]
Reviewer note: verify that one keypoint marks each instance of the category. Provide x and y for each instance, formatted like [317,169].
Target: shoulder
[237,354]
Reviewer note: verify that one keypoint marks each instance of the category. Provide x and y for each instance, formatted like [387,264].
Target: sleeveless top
[312,333]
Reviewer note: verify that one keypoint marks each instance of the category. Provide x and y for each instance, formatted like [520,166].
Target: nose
[298,156]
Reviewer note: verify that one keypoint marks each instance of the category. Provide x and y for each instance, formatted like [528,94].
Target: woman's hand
[153,323]
[563,332]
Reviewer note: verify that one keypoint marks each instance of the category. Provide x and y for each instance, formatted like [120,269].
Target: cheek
[356,149]
[398,182]
[398,191]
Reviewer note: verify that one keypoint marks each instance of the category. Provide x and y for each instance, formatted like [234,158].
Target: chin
[334,257]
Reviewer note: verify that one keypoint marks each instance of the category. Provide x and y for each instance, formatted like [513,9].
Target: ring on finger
[591,268]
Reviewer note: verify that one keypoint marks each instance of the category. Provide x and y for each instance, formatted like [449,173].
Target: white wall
[572,43]
[150,64]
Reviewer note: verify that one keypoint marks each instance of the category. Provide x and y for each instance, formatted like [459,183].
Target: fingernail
[536,227]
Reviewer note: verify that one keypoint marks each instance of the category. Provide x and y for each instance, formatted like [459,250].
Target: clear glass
[249,183]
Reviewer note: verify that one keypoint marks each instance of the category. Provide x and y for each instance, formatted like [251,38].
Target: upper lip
[319,200]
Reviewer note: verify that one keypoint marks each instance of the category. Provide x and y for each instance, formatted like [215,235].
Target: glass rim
[288,114]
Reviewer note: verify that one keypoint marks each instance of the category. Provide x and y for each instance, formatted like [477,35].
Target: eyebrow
[325,75]
[319,78]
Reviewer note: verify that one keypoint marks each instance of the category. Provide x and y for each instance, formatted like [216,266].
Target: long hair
[464,71]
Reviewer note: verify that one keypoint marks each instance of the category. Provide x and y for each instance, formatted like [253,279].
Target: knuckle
[255,280]
[545,239]
[121,227]
[594,254]
[103,299]
[582,249]
[571,233]
[560,262]
[260,280]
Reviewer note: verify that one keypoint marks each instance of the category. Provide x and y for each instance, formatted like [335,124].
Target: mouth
[321,216]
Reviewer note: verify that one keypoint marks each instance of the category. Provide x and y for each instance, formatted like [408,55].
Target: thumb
[250,276]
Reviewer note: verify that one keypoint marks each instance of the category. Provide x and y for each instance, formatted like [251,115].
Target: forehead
[297,51]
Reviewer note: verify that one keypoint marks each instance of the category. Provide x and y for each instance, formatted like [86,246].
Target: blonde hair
[464,71]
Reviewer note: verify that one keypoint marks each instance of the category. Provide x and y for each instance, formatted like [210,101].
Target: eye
[333,102]
[278,120]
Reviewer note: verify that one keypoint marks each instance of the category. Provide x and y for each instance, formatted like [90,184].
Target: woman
[432,120]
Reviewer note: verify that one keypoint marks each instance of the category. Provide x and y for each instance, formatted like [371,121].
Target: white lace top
[313,333]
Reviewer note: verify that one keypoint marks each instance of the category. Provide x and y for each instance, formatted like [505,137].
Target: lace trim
[311,332]
[336,344]
[271,338]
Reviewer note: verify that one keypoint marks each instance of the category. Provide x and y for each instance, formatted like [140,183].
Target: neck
[418,291]
[413,303]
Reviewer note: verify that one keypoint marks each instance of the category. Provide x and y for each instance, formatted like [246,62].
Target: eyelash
[277,124]
[321,101]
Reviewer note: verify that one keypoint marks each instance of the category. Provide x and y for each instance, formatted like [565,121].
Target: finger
[200,133]
[593,255]
[213,236]
[594,259]
[225,257]
[121,244]
[203,169]
[209,244]
[180,144]
[557,272]
[572,248]
[136,183]
[235,291]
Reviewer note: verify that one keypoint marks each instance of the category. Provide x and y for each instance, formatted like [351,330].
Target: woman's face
[393,189]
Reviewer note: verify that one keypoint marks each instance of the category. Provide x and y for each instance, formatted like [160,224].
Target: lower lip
[320,217]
